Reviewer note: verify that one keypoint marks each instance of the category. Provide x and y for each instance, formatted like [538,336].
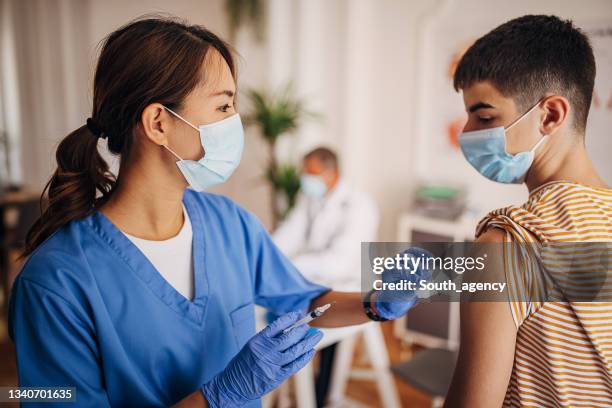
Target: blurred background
[371,79]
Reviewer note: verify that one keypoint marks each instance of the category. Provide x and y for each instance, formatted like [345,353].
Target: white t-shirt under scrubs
[172,257]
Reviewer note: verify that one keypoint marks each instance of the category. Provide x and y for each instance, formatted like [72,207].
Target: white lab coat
[323,237]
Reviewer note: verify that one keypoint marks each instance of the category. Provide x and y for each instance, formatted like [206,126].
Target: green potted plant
[276,115]
[285,183]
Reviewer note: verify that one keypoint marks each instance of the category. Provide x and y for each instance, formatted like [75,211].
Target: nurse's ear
[555,114]
[156,123]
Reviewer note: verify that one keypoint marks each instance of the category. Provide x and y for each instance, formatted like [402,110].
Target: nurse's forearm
[193,400]
[346,311]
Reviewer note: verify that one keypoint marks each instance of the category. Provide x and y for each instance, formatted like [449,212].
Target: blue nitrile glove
[263,363]
[392,304]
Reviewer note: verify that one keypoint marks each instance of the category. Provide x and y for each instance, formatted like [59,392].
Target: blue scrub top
[89,310]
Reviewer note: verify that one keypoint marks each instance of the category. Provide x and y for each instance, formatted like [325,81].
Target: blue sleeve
[279,286]
[55,345]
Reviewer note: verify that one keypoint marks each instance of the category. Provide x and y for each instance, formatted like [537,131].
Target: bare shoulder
[492,235]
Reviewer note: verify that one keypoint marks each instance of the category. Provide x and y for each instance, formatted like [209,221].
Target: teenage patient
[527,88]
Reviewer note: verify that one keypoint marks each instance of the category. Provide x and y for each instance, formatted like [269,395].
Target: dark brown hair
[146,61]
[530,56]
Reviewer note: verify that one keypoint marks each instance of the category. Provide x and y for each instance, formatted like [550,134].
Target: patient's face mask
[486,151]
[313,186]
[223,142]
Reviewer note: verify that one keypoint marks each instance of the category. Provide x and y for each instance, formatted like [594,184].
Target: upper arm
[55,345]
[486,352]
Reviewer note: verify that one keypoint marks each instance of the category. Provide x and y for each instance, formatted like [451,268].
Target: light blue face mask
[486,151]
[223,142]
[313,186]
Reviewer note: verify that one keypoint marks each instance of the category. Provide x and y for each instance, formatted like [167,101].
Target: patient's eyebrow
[479,105]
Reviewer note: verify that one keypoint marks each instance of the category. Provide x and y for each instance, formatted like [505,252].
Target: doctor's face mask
[485,150]
[223,143]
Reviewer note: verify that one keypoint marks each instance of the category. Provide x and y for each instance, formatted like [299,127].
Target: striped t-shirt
[563,354]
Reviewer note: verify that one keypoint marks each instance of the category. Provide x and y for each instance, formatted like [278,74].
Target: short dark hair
[529,56]
[326,156]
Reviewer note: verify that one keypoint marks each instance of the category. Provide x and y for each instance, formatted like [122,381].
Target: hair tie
[94,128]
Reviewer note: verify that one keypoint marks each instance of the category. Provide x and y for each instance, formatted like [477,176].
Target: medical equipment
[485,150]
[223,143]
[317,312]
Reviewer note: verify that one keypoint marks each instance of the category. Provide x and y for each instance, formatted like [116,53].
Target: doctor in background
[322,235]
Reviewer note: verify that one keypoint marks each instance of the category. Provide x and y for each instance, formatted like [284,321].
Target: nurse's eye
[225,107]
[485,119]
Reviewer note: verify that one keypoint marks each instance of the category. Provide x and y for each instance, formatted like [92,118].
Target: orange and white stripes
[563,351]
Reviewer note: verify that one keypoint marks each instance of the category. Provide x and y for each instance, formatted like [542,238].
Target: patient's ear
[156,122]
[555,113]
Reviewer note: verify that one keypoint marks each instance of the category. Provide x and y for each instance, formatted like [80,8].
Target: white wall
[355,63]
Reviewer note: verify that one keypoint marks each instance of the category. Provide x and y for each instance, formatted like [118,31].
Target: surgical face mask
[223,142]
[486,151]
[313,186]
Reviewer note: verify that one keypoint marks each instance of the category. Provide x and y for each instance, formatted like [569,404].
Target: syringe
[317,312]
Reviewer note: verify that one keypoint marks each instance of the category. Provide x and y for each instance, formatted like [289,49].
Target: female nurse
[138,291]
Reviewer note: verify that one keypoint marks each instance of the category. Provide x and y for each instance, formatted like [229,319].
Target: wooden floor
[364,392]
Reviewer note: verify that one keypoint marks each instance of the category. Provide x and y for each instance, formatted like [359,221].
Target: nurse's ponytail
[146,61]
[71,192]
